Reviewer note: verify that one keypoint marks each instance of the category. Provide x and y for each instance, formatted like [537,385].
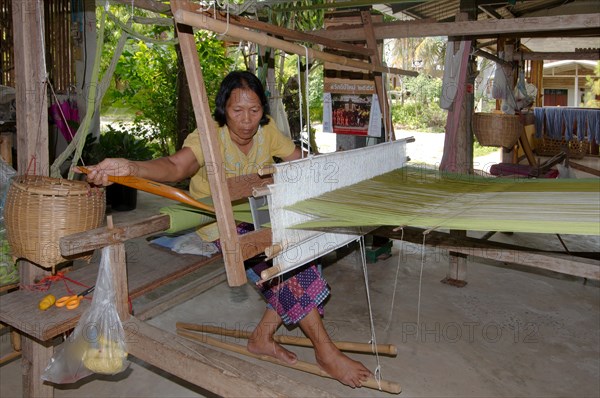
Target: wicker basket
[549,147]
[41,210]
[497,129]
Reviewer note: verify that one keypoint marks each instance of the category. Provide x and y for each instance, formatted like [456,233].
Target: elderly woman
[249,140]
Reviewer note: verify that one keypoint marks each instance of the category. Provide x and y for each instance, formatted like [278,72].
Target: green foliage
[421,110]
[146,78]
[315,93]
[479,150]
[117,143]
[592,85]
[9,271]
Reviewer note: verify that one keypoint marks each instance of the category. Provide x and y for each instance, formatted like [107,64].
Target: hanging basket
[41,210]
[497,129]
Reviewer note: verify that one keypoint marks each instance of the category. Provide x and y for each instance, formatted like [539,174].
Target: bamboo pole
[351,346]
[382,385]
[203,22]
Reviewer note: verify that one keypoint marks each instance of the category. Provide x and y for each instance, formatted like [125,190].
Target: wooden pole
[230,242]
[383,349]
[32,158]
[203,22]
[379,83]
[383,385]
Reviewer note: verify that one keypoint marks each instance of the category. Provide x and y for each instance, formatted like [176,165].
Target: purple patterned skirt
[293,295]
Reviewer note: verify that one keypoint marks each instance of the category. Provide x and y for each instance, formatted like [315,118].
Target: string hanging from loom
[373,341]
[420,282]
[400,254]
[300,98]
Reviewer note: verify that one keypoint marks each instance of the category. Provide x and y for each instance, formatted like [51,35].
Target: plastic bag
[500,85]
[97,345]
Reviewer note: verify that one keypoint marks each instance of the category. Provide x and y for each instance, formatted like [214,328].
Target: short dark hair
[239,79]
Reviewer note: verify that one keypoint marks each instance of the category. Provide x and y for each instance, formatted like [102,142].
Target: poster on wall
[351,107]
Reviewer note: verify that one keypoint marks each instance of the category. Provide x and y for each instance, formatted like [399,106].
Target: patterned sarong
[294,294]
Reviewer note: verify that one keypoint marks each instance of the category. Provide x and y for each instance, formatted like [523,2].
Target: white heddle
[307,178]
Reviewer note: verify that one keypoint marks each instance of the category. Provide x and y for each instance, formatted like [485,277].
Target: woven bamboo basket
[41,210]
[497,129]
[576,149]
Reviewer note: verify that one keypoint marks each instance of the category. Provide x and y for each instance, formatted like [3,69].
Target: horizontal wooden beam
[294,34]
[564,264]
[86,241]
[491,57]
[150,5]
[202,22]
[556,56]
[550,26]
[585,265]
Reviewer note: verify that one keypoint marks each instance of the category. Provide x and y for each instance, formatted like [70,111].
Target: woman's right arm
[176,167]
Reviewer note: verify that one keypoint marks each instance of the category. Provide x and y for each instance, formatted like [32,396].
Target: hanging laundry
[554,123]
[452,65]
[569,117]
[65,115]
[593,122]
[500,87]
[538,121]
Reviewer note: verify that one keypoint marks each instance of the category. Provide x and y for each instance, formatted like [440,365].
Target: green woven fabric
[431,199]
[184,216]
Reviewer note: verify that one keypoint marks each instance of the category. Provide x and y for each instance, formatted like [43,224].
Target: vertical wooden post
[118,268]
[230,242]
[32,155]
[461,146]
[379,83]
[30,77]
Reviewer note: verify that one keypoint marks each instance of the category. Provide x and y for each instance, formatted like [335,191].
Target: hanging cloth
[452,66]
[554,121]
[65,115]
[538,114]
[593,122]
[569,117]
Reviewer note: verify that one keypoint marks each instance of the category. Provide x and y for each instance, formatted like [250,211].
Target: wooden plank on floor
[215,371]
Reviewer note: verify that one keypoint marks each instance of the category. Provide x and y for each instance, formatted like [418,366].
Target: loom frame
[237,248]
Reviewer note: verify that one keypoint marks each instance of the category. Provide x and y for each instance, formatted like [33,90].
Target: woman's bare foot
[270,348]
[345,370]
[261,341]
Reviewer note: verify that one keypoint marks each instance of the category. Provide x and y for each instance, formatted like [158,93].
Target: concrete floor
[510,332]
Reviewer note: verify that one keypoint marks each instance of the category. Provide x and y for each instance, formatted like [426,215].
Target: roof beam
[577,55]
[551,26]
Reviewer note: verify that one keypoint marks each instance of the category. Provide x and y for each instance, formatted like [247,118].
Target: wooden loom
[236,248]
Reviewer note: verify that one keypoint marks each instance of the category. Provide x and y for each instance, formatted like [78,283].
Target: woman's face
[243,112]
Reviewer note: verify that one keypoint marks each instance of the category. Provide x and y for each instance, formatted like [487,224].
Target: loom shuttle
[156,188]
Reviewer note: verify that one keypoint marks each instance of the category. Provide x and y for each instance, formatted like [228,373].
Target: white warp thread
[310,177]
